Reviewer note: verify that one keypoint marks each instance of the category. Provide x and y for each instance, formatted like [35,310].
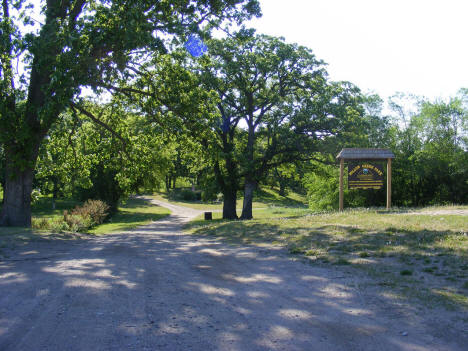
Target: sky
[382,46]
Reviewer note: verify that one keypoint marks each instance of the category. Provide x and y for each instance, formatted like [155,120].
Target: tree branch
[103,125]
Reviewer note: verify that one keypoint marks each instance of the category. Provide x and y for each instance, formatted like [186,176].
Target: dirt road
[158,289]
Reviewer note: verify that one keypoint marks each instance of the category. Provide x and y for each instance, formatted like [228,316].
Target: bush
[40,223]
[76,223]
[95,210]
[82,218]
[184,194]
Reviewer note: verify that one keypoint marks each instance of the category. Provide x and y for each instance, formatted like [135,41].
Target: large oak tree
[79,43]
[281,93]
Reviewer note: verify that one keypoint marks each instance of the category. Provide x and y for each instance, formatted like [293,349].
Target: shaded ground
[157,289]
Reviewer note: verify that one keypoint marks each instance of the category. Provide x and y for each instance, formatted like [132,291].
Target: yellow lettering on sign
[355,169]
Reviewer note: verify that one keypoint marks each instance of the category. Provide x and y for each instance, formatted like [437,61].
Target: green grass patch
[263,198]
[132,213]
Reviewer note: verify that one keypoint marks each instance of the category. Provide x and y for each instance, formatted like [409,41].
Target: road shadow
[154,289]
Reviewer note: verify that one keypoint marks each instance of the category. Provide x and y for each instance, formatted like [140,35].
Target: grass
[263,198]
[133,213]
[421,254]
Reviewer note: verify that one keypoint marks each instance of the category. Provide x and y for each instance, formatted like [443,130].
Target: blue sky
[385,46]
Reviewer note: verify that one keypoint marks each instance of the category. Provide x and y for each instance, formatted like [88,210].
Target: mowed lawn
[132,213]
[421,253]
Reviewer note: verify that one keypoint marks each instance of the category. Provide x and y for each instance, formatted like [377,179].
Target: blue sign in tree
[195,46]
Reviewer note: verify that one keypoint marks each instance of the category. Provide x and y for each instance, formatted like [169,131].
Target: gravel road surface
[156,288]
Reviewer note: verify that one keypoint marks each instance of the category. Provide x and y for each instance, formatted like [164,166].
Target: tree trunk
[282,188]
[2,184]
[249,188]
[54,193]
[16,210]
[168,184]
[229,204]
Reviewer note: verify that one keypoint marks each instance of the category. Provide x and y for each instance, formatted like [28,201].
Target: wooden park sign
[365,175]
[365,171]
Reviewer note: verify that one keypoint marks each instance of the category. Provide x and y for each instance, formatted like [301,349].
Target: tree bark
[168,183]
[54,192]
[230,204]
[16,209]
[249,188]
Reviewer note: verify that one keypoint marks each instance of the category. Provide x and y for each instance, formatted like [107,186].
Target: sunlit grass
[133,213]
[263,199]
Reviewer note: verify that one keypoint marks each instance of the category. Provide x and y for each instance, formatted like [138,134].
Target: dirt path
[157,289]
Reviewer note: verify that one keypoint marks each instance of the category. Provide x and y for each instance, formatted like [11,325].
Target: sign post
[364,172]
[389,183]
[341,183]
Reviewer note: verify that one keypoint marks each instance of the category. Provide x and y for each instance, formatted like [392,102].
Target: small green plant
[58,225]
[76,223]
[296,250]
[312,252]
[40,223]
[364,254]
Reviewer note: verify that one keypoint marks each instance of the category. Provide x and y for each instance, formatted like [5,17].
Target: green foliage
[98,45]
[96,210]
[322,189]
[184,194]
[429,140]
[76,223]
[431,153]
[281,93]
[86,216]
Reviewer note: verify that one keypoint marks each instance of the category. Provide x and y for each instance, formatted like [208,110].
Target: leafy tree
[281,94]
[61,165]
[79,43]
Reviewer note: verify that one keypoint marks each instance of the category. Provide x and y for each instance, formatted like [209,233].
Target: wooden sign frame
[357,155]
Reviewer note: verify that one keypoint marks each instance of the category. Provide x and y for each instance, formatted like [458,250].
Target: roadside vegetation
[416,253]
[264,198]
[50,224]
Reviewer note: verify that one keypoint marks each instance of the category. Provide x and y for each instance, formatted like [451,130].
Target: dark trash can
[208,216]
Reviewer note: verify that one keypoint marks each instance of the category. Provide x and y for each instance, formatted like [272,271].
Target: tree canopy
[80,44]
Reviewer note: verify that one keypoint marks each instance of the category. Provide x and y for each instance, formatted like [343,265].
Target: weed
[364,254]
[296,250]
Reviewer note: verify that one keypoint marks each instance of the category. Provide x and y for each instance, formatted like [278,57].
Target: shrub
[76,223]
[40,223]
[185,194]
[82,218]
[95,210]
[58,225]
